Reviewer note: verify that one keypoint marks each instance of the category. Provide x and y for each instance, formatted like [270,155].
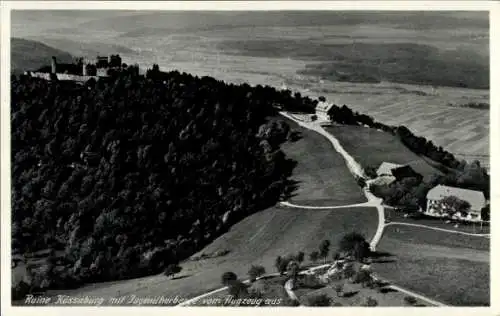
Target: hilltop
[30,55]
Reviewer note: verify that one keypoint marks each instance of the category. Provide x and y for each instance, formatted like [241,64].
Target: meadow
[371,148]
[451,268]
[322,175]
[470,228]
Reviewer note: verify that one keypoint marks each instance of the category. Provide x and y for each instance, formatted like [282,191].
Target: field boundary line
[438,229]
[311,207]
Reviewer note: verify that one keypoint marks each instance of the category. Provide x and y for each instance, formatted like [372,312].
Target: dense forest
[123,176]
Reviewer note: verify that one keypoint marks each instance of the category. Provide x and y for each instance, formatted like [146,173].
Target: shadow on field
[384,261]
[380,254]
[350,294]
[387,290]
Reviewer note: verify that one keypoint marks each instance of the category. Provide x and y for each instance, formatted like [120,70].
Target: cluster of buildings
[390,172]
[82,70]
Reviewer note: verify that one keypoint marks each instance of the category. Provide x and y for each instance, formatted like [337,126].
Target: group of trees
[412,192]
[289,263]
[129,174]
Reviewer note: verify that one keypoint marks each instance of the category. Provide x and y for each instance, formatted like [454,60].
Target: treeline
[121,177]
[472,105]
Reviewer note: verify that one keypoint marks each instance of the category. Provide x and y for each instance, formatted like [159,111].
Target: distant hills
[30,55]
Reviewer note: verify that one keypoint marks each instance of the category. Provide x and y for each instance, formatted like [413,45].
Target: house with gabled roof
[435,207]
[385,169]
[397,171]
[322,109]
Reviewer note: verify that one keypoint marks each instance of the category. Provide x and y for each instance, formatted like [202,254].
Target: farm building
[435,207]
[322,109]
[383,180]
[385,169]
[405,172]
[396,171]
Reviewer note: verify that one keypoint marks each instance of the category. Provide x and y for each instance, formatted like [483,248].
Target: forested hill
[31,55]
[126,175]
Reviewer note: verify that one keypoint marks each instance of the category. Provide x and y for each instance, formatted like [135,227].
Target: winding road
[372,201]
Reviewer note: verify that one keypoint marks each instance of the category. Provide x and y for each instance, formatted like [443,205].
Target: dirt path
[438,229]
[353,166]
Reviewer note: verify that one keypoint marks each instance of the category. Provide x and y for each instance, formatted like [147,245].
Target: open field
[322,172]
[448,267]
[394,216]
[432,238]
[371,148]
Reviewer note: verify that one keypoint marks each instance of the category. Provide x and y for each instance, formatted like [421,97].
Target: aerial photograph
[250,158]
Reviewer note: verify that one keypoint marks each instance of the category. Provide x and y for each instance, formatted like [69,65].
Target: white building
[476,200]
[322,109]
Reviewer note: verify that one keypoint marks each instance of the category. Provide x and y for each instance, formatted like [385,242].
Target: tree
[354,244]
[348,270]
[363,276]
[322,99]
[454,205]
[278,263]
[228,278]
[313,256]
[292,269]
[339,289]
[371,172]
[172,269]
[300,257]
[370,302]
[485,213]
[319,300]
[238,289]
[324,249]
[255,272]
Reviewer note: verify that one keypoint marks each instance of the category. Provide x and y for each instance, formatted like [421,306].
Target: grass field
[322,172]
[370,148]
[471,228]
[451,268]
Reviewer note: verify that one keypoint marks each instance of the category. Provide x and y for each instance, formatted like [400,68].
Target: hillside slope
[30,55]
[261,237]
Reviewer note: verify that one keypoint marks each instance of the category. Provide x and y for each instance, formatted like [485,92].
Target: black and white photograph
[247,158]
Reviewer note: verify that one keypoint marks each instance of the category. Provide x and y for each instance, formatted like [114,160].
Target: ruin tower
[84,67]
[54,65]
